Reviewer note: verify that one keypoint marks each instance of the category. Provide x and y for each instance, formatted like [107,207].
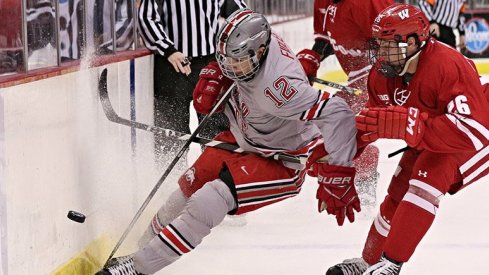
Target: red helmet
[399,21]
[388,49]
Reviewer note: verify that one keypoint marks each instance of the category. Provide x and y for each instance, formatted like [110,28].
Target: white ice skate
[384,267]
[355,266]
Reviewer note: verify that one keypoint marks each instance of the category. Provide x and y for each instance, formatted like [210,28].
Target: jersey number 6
[459,105]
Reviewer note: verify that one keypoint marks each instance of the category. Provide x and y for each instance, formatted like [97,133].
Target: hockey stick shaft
[338,86]
[103,86]
[398,151]
[114,117]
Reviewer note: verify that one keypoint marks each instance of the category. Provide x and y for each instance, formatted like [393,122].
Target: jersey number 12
[285,92]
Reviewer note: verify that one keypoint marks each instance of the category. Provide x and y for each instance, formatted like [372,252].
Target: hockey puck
[76,216]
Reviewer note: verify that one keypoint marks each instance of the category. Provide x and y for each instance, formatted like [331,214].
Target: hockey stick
[103,86]
[114,117]
[398,151]
[338,86]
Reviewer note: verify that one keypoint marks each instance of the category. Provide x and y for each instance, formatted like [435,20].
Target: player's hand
[393,122]
[336,192]
[212,83]
[180,63]
[309,60]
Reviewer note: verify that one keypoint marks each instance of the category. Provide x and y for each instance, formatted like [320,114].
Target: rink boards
[61,154]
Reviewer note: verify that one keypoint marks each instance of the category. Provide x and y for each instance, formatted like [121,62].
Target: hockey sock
[172,207]
[409,226]
[205,209]
[379,231]
[412,220]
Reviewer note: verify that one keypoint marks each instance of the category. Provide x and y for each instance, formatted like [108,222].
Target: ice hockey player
[273,109]
[343,28]
[429,95]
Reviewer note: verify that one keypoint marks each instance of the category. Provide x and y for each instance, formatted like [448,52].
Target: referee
[444,17]
[175,30]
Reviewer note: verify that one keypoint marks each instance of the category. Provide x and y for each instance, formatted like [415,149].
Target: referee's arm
[230,6]
[461,21]
[151,28]
[427,7]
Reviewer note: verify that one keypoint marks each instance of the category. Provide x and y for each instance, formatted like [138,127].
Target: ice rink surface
[291,237]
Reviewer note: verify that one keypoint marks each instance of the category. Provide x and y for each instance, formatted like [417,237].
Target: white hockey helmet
[243,33]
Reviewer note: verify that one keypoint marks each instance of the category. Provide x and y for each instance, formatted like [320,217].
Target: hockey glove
[336,192]
[309,60]
[393,122]
[211,85]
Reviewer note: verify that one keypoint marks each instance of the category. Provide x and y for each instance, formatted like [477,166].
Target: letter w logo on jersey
[404,14]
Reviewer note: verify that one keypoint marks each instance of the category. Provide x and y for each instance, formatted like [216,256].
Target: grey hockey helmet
[238,40]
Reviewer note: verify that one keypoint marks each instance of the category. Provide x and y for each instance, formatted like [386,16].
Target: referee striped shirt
[187,26]
[449,13]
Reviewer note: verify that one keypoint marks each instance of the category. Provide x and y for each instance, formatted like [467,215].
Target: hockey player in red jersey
[343,28]
[272,110]
[429,95]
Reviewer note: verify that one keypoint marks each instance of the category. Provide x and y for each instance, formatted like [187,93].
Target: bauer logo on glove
[207,71]
[211,85]
[336,192]
[334,180]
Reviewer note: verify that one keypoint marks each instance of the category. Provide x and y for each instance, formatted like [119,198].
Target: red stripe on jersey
[476,166]
[229,27]
[251,207]
[313,111]
[477,170]
[263,192]
[174,240]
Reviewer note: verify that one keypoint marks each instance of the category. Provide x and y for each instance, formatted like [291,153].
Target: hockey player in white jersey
[272,110]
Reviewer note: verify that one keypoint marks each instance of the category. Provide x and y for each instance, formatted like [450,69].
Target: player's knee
[210,204]
[227,178]
[424,195]
[398,187]
[187,183]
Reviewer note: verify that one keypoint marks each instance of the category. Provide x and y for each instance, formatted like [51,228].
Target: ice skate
[384,267]
[355,266]
[120,266]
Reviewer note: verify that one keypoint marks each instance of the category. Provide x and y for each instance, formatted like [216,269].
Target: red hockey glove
[393,122]
[212,83]
[309,60]
[336,192]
